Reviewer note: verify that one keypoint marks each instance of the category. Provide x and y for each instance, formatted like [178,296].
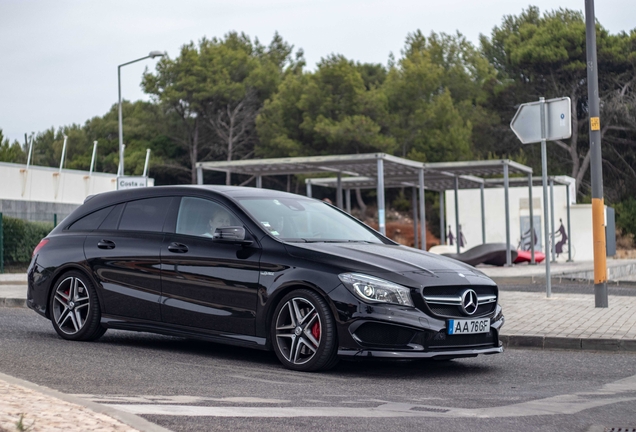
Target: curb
[580,344]
[13,302]
[129,419]
[502,281]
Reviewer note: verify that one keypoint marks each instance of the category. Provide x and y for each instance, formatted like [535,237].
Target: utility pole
[596,167]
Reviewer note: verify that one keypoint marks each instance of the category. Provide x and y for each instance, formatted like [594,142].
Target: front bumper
[398,332]
[397,355]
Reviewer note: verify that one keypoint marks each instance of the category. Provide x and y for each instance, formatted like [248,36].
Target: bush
[401,203]
[21,237]
[626,216]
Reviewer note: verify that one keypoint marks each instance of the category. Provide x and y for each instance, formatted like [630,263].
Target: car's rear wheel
[303,332]
[74,307]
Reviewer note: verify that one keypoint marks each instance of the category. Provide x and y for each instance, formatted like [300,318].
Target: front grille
[383,334]
[454,312]
[437,300]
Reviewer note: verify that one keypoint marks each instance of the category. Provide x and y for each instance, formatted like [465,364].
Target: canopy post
[259,182]
[414,205]
[380,195]
[199,175]
[553,245]
[531,208]
[339,191]
[422,210]
[567,199]
[457,233]
[348,200]
[483,215]
[506,204]
[442,218]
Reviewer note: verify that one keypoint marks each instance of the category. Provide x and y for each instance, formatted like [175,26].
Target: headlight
[376,290]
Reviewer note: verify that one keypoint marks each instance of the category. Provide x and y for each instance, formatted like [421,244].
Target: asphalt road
[188,385]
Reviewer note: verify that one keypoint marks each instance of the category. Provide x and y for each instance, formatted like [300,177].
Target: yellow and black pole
[596,167]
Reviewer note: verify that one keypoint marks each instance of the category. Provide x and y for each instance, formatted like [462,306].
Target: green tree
[424,118]
[11,152]
[238,76]
[216,89]
[544,55]
[175,87]
[331,111]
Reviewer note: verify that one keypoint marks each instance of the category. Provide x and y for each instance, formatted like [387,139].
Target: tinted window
[201,217]
[112,220]
[145,215]
[90,222]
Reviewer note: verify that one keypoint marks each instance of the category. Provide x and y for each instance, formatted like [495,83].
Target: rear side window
[145,215]
[92,221]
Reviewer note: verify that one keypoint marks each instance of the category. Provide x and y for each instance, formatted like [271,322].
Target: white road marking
[616,392]
[177,399]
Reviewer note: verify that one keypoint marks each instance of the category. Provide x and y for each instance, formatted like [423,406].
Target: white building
[39,193]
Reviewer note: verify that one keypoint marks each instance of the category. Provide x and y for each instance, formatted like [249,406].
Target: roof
[354,165]
[398,172]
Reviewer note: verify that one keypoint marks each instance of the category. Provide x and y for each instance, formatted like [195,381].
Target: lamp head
[154,54]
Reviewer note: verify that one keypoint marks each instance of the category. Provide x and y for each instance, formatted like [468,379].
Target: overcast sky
[59,58]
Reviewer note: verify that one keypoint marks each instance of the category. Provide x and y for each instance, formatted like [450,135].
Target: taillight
[39,246]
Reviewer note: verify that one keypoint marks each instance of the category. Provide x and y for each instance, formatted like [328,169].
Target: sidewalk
[563,321]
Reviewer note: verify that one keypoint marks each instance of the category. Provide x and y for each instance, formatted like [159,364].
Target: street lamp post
[153,54]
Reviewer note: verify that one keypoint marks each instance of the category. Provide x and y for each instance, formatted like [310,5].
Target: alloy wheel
[298,330]
[71,303]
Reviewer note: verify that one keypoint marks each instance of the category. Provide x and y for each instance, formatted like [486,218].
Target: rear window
[145,215]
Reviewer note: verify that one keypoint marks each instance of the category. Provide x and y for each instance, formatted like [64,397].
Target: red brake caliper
[315,330]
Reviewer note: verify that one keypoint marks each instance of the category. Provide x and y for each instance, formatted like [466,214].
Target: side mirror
[231,234]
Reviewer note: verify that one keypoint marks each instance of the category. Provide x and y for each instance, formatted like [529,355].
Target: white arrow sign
[526,123]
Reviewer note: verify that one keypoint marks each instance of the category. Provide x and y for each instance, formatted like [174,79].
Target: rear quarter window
[91,221]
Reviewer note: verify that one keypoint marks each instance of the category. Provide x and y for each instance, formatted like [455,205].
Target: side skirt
[121,323]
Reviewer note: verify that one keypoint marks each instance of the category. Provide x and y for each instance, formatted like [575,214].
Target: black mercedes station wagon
[257,268]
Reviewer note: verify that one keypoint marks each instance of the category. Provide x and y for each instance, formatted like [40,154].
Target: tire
[303,332]
[74,307]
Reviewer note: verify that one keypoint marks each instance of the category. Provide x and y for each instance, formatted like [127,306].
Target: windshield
[306,220]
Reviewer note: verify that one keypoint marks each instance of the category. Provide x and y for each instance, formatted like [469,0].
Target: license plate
[468,326]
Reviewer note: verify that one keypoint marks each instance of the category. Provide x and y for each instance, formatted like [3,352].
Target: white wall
[470,217]
[44,184]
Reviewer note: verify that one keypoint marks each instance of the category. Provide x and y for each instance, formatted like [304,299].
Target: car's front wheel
[74,307]
[303,332]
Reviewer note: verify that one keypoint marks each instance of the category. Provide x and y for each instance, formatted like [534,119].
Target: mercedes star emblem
[469,302]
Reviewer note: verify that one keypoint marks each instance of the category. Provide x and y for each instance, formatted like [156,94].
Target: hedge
[21,237]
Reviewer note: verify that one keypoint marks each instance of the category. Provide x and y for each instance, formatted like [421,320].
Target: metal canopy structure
[379,171]
[353,165]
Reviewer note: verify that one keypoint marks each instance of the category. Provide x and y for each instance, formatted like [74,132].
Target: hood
[381,258]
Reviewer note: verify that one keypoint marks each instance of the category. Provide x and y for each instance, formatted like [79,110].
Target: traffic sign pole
[544,178]
[596,167]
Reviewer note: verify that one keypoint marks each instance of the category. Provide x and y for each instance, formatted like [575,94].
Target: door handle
[106,244]
[177,247]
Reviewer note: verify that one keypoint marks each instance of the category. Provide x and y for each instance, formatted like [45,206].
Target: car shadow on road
[267,360]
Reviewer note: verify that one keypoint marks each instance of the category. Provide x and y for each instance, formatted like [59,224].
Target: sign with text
[526,123]
[126,182]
